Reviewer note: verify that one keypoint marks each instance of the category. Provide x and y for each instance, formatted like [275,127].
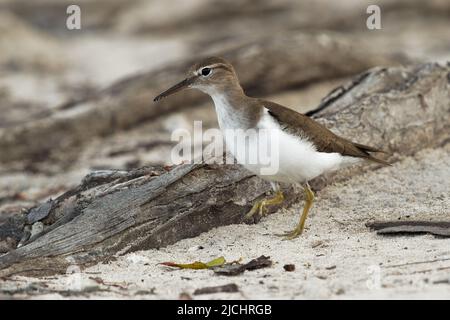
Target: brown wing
[325,140]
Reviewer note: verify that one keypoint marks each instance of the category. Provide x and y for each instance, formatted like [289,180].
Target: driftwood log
[400,110]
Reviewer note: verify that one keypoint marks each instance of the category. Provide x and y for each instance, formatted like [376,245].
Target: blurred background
[72,101]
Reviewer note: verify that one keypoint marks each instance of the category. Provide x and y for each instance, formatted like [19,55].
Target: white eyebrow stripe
[215,65]
[211,66]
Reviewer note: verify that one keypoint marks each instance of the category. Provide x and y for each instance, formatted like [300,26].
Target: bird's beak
[178,87]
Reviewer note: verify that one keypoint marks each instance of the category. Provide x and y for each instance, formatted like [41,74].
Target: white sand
[333,258]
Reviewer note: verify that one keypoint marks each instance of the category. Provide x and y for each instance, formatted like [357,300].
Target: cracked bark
[400,110]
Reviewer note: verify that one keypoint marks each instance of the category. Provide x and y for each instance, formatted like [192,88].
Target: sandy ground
[337,257]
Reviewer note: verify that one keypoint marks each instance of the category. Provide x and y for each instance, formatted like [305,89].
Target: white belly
[282,157]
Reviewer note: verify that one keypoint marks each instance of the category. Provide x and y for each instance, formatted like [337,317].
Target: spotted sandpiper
[306,149]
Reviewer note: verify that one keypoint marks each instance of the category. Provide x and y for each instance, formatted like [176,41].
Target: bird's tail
[373,159]
[367,150]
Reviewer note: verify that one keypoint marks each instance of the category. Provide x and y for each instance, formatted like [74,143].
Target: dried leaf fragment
[236,268]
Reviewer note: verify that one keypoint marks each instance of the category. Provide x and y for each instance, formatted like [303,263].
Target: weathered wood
[438,228]
[400,110]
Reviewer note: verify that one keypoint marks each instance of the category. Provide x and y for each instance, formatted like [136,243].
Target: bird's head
[210,75]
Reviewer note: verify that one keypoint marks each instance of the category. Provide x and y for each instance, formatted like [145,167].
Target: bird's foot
[259,209]
[309,198]
[254,212]
[290,235]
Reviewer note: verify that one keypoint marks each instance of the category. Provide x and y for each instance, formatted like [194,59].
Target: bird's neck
[235,110]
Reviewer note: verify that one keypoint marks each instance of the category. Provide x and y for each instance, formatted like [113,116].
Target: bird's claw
[259,209]
[290,235]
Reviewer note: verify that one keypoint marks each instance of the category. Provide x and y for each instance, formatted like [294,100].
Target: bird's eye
[206,72]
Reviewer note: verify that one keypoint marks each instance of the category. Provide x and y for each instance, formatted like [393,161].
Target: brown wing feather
[325,140]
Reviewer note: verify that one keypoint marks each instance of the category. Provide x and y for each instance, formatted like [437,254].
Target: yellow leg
[309,199]
[260,206]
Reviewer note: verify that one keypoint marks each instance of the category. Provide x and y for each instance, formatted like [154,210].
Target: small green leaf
[197,264]
[216,262]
